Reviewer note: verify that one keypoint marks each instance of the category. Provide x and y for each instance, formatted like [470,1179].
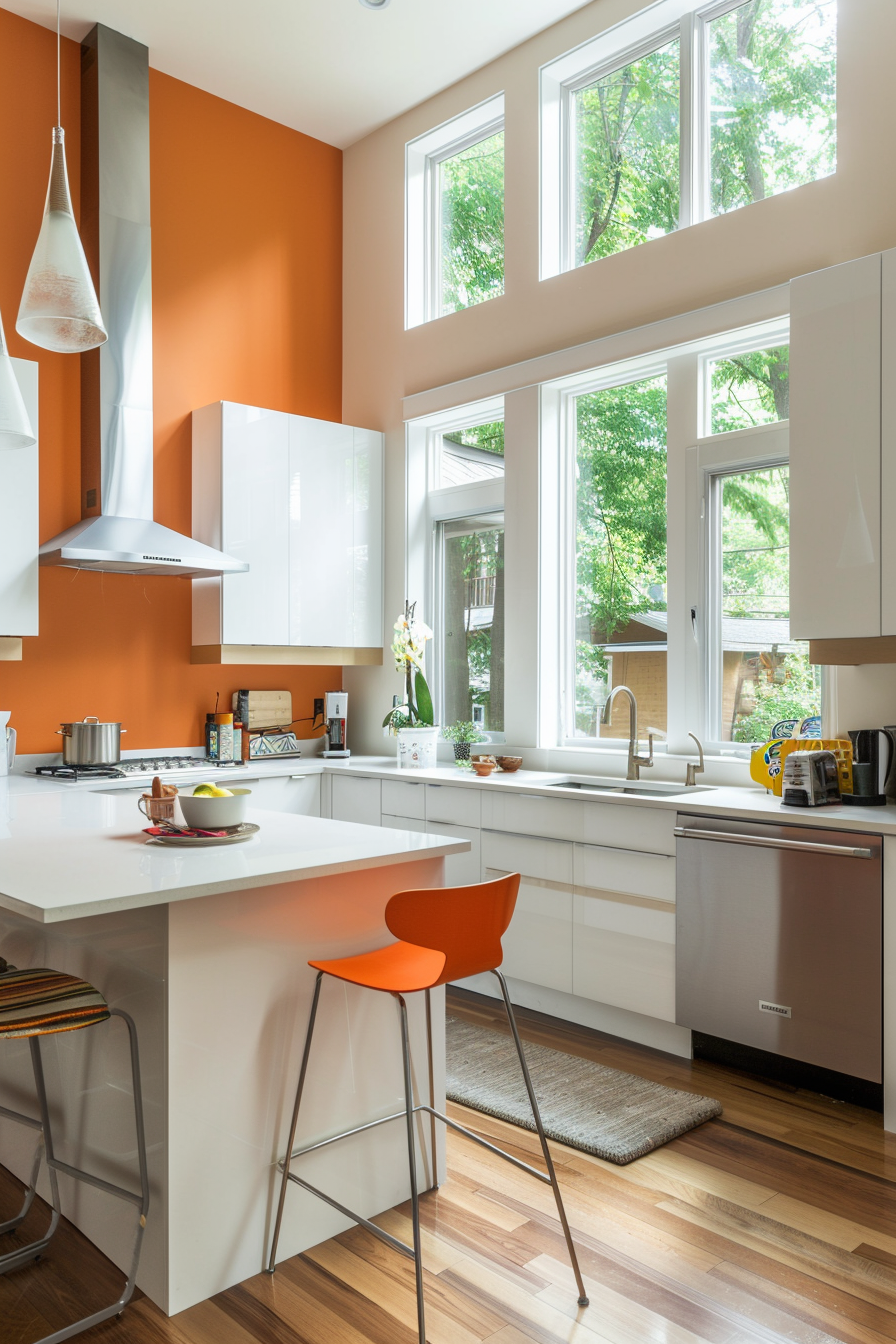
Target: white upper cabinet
[19,528]
[835,450]
[301,501]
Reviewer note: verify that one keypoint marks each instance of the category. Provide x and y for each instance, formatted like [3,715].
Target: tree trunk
[457,670]
[496,658]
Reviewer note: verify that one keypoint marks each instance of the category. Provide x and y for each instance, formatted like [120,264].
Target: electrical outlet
[319,708]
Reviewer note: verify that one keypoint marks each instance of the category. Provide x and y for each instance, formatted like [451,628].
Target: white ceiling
[330,68]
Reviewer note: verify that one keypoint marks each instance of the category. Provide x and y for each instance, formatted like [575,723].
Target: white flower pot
[417,748]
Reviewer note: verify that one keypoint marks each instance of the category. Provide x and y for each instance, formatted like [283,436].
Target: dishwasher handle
[769,842]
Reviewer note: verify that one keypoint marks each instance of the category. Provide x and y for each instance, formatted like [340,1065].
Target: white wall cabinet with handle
[301,501]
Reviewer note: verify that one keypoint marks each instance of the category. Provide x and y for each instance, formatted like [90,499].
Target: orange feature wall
[247,303]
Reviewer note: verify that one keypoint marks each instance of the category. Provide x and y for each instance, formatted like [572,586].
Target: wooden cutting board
[267,709]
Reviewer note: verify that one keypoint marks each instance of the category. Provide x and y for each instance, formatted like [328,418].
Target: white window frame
[423,260]
[560,79]
[430,505]
[694,456]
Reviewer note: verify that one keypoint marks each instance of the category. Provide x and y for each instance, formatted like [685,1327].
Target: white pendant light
[15,426]
[59,309]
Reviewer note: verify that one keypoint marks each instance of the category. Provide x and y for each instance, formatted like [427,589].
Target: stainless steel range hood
[117,533]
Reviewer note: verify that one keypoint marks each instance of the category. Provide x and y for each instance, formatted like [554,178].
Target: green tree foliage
[490,437]
[795,696]
[472,224]
[750,389]
[621,505]
[773,99]
[626,146]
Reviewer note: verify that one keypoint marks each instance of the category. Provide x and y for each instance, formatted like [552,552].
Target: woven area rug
[603,1111]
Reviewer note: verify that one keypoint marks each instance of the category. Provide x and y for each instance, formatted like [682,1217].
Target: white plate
[244,832]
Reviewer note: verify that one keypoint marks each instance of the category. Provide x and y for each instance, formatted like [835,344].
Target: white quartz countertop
[751,804]
[70,853]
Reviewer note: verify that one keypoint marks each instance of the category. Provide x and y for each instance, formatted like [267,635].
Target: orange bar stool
[36,1003]
[445,933]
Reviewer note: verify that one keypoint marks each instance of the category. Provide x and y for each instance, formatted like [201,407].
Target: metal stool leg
[21,1256]
[432,1095]
[272,1262]
[549,1162]
[412,1163]
[141,1200]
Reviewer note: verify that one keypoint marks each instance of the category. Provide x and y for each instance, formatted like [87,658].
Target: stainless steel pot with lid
[90,742]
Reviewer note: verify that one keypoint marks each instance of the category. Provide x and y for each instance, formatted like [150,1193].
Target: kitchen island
[207,949]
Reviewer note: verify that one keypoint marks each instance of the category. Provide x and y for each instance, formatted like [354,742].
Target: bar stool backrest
[466,923]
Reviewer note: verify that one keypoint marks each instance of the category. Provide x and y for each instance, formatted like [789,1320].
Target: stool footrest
[356,1217]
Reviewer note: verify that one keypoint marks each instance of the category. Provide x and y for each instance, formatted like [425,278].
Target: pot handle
[90,718]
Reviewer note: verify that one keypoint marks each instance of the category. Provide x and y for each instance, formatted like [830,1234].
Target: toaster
[810,779]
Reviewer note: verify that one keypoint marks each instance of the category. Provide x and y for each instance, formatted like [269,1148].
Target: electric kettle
[872,758]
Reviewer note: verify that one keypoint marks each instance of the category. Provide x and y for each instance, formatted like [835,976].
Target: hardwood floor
[774,1223]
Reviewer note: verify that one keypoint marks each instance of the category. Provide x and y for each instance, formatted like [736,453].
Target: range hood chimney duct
[117,534]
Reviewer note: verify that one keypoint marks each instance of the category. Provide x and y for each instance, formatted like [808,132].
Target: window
[455,214]
[472,568]
[762,676]
[621,620]
[685,111]
[772,109]
[455,560]
[670,523]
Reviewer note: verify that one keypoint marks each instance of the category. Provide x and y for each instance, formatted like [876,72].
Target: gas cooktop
[137,767]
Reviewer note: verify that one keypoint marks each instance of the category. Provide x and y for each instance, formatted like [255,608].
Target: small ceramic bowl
[509,763]
[483,765]
[214,814]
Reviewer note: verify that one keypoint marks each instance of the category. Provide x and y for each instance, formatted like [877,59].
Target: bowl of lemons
[209,808]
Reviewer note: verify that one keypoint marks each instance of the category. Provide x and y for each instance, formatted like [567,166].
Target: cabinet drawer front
[403,823]
[403,800]
[623,827]
[531,814]
[355,799]
[459,806]
[624,971]
[550,860]
[461,870]
[638,921]
[626,870]
[538,944]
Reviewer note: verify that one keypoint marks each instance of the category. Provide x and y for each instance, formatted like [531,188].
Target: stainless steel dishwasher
[779,940]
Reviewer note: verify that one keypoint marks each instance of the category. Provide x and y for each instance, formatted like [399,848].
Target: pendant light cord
[58,69]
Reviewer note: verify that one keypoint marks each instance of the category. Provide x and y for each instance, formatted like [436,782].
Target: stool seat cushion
[40,1002]
[400,968]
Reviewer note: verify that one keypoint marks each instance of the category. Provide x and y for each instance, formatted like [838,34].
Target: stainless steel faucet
[634,760]
[693,769]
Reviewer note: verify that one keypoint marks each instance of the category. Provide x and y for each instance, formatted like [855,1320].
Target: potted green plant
[462,735]
[412,722]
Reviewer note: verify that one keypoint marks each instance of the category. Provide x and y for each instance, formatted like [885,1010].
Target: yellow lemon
[204,791]
[221,793]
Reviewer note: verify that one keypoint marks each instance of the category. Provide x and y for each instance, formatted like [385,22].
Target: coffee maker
[336,712]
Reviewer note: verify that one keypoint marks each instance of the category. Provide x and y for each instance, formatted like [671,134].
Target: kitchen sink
[656,790]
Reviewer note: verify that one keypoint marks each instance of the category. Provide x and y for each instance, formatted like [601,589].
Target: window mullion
[686,111]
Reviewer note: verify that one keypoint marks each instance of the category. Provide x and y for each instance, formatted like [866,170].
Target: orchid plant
[408,647]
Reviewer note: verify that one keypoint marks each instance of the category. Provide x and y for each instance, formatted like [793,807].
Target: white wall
[846,215]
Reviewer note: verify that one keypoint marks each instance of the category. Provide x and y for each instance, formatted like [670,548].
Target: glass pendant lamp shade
[15,426]
[59,309]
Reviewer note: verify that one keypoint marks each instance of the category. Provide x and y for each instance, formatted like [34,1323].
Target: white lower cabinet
[624,929]
[353,798]
[538,944]
[461,870]
[403,800]
[299,794]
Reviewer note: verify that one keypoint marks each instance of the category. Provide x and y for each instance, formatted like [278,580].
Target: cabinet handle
[769,842]
[638,853]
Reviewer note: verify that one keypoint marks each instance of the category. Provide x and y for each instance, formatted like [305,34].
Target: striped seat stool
[40,1002]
